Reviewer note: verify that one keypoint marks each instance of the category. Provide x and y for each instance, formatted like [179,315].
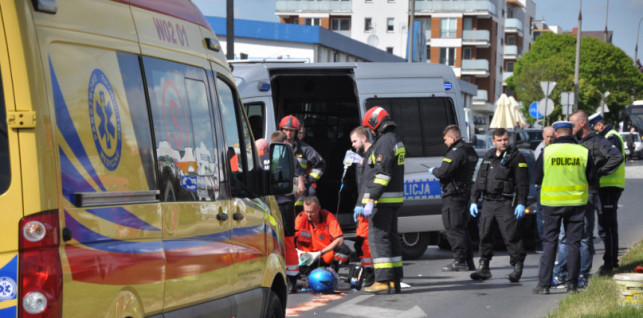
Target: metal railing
[513,24]
[313,5]
[475,65]
[482,95]
[456,5]
[475,35]
[511,50]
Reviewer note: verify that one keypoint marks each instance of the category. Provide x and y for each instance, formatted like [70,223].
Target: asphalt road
[433,293]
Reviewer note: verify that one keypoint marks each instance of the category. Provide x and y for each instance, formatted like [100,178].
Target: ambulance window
[235,142]
[183,131]
[423,121]
[256,117]
[5,171]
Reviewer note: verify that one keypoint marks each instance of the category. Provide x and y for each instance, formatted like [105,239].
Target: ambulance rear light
[40,271]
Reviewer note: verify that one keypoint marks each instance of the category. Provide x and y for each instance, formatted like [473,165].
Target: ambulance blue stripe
[9,273]
[86,236]
[245,231]
[272,232]
[8,312]
[72,180]
[195,241]
[66,126]
[122,217]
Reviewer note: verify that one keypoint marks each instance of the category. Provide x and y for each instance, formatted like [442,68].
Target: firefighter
[503,182]
[383,186]
[611,188]
[564,170]
[456,178]
[362,144]
[311,165]
[317,230]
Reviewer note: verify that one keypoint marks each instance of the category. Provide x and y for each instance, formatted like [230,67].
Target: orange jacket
[314,239]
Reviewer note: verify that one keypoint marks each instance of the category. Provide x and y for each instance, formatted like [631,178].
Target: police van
[330,99]
[130,185]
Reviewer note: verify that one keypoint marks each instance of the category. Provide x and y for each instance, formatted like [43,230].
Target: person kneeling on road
[318,236]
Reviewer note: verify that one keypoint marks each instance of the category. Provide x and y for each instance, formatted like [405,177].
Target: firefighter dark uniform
[311,238]
[503,182]
[611,188]
[564,170]
[311,165]
[456,178]
[384,186]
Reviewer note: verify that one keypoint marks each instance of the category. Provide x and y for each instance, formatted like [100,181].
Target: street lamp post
[636,47]
[577,64]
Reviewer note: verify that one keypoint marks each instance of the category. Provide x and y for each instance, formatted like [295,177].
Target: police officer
[611,187]
[564,170]
[456,178]
[310,168]
[383,195]
[503,182]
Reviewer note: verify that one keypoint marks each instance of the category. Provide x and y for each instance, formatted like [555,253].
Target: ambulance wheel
[414,244]
[274,309]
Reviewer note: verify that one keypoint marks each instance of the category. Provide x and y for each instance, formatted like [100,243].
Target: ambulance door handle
[237,216]
[222,216]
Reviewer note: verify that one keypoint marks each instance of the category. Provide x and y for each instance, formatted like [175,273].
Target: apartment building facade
[468,35]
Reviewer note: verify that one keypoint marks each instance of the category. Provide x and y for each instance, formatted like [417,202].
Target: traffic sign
[567,98]
[547,87]
[567,109]
[546,106]
[533,111]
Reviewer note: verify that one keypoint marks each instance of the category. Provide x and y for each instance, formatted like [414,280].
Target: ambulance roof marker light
[46,6]
[263,86]
[448,86]
[213,44]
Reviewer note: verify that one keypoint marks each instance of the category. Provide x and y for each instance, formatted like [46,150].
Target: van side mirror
[282,168]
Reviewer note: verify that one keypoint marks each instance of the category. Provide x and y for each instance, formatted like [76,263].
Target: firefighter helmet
[322,280]
[374,117]
[289,122]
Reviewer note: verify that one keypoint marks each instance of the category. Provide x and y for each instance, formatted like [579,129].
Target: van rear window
[5,168]
[420,122]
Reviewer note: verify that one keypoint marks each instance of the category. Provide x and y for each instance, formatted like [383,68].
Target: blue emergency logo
[105,119]
[8,288]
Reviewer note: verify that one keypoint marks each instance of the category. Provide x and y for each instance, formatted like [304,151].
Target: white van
[330,100]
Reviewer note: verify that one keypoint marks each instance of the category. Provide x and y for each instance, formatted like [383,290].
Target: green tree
[603,67]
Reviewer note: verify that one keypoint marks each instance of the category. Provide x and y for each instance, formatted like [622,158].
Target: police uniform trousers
[287,209]
[608,223]
[499,214]
[455,217]
[384,242]
[572,220]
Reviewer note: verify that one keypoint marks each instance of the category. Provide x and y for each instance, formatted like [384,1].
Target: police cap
[563,124]
[594,119]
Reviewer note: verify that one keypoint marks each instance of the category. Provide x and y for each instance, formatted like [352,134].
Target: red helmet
[289,122]
[374,117]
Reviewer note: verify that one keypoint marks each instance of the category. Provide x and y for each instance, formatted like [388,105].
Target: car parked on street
[638,145]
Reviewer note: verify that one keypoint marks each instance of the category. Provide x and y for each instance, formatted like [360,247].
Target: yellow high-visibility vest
[616,178]
[564,182]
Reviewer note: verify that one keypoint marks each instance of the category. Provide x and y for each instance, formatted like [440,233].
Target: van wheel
[274,309]
[414,244]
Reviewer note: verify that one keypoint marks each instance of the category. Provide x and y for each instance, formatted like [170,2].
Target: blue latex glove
[431,170]
[519,212]
[368,209]
[473,209]
[358,210]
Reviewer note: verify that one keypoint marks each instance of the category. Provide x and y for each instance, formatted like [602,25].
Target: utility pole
[607,7]
[577,65]
[229,38]
[636,47]
[411,41]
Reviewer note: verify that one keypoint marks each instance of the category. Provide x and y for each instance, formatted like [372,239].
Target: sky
[622,18]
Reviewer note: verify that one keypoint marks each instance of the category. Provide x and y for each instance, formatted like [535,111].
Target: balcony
[478,38]
[513,26]
[468,7]
[510,52]
[505,76]
[481,96]
[346,33]
[478,68]
[299,6]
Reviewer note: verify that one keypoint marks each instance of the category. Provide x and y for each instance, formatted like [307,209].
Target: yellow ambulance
[130,185]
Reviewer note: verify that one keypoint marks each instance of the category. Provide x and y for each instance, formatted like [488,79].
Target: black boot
[514,276]
[369,276]
[470,263]
[292,284]
[483,273]
[456,266]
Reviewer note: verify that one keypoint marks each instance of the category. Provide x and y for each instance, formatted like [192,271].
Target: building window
[467,24]
[312,21]
[389,49]
[390,24]
[340,24]
[447,56]
[448,27]
[466,53]
[511,40]
[368,24]
[510,66]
